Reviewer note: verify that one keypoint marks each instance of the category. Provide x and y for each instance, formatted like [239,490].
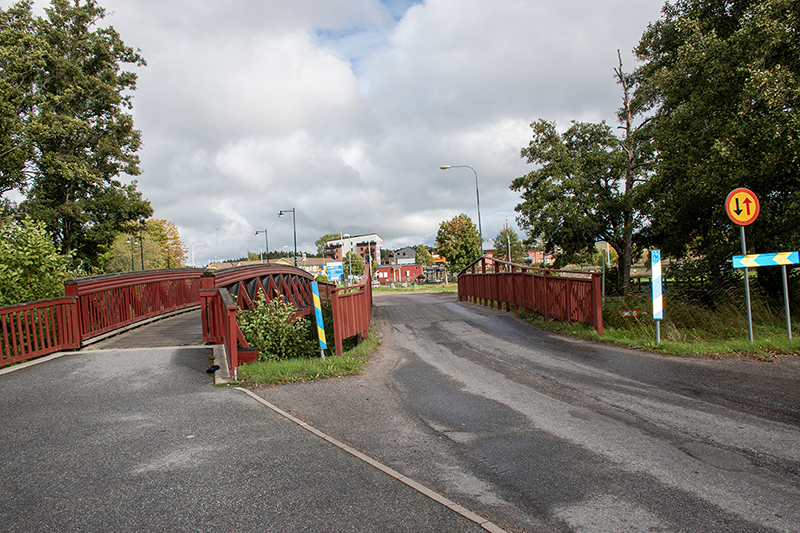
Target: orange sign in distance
[742,206]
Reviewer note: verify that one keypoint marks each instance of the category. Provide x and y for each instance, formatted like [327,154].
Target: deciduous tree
[501,245]
[458,241]
[74,129]
[423,256]
[322,241]
[722,80]
[352,264]
[577,195]
[159,245]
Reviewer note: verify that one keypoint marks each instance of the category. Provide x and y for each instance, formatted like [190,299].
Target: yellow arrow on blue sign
[757,260]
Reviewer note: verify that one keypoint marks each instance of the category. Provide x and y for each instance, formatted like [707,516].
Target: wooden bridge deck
[185,329]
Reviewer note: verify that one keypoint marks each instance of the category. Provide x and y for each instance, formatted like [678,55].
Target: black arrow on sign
[738,210]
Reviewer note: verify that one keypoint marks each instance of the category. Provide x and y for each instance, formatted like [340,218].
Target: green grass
[691,327]
[433,287]
[302,369]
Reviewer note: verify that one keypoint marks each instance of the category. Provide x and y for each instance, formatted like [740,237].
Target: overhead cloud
[346,109]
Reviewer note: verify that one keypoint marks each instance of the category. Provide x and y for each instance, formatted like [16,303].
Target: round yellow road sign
[742,206]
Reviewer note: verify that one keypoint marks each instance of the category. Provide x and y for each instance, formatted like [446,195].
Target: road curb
[435,496]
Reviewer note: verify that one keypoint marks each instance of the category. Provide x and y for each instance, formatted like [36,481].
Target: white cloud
[345,109]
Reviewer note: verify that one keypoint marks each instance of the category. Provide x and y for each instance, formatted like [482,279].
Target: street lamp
[132,241]
[294,226]
[197,244]
[266,243]
[478,196]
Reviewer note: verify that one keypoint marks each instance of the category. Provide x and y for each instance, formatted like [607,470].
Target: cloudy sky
[345,109]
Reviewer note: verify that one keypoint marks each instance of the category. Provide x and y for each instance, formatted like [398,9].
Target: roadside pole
[747,291]
[786,302]
[657,290]
[742,206]
[320,323]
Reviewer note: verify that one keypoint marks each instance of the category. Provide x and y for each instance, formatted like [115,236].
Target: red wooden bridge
[99,306]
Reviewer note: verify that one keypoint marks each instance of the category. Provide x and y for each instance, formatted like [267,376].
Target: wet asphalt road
[541,433]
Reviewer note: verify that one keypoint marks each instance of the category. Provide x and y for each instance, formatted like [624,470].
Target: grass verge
[398,288]
[689,329]
[301,369]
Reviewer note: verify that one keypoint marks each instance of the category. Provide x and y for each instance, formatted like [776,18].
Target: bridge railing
[352,310]
[567,295]
[100,305]
[112,301]
[225,291]
[38,328]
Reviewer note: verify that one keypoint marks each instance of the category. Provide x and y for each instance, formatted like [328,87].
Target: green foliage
[323,240]
[30,266]
[695,323]
[501,244]
[352,264]
[159,245]
[274,329]
[578,194]
[308,368]
[722,79]
[423,256]
[65,120]
[20,57]
[458,242]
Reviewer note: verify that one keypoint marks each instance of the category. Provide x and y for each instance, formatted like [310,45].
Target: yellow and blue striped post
[320,324]
[655,283]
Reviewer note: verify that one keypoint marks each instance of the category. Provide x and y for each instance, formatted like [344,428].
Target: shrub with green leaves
[31,267]
[274,329]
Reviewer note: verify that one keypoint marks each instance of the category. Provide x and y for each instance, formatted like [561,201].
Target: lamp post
[478,196]
[196,244]
[294,228]
[266,244]
[132,241]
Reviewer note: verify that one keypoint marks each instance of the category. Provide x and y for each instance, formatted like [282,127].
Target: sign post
[781,259]
[320,323]
[743,207]
[657,290]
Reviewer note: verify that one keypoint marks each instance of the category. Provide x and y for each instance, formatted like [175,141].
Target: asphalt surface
[140,440]
[462,409]
[539,432]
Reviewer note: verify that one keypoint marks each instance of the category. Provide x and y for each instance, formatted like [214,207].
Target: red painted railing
[102,304]
[225,291]
[220,326]
[38,328]
[568,295]
[112,301]
[352,311]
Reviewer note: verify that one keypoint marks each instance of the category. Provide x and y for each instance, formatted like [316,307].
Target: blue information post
[655,283]
[320,324]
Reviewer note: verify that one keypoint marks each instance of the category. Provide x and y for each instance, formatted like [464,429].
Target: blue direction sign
[757,260]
